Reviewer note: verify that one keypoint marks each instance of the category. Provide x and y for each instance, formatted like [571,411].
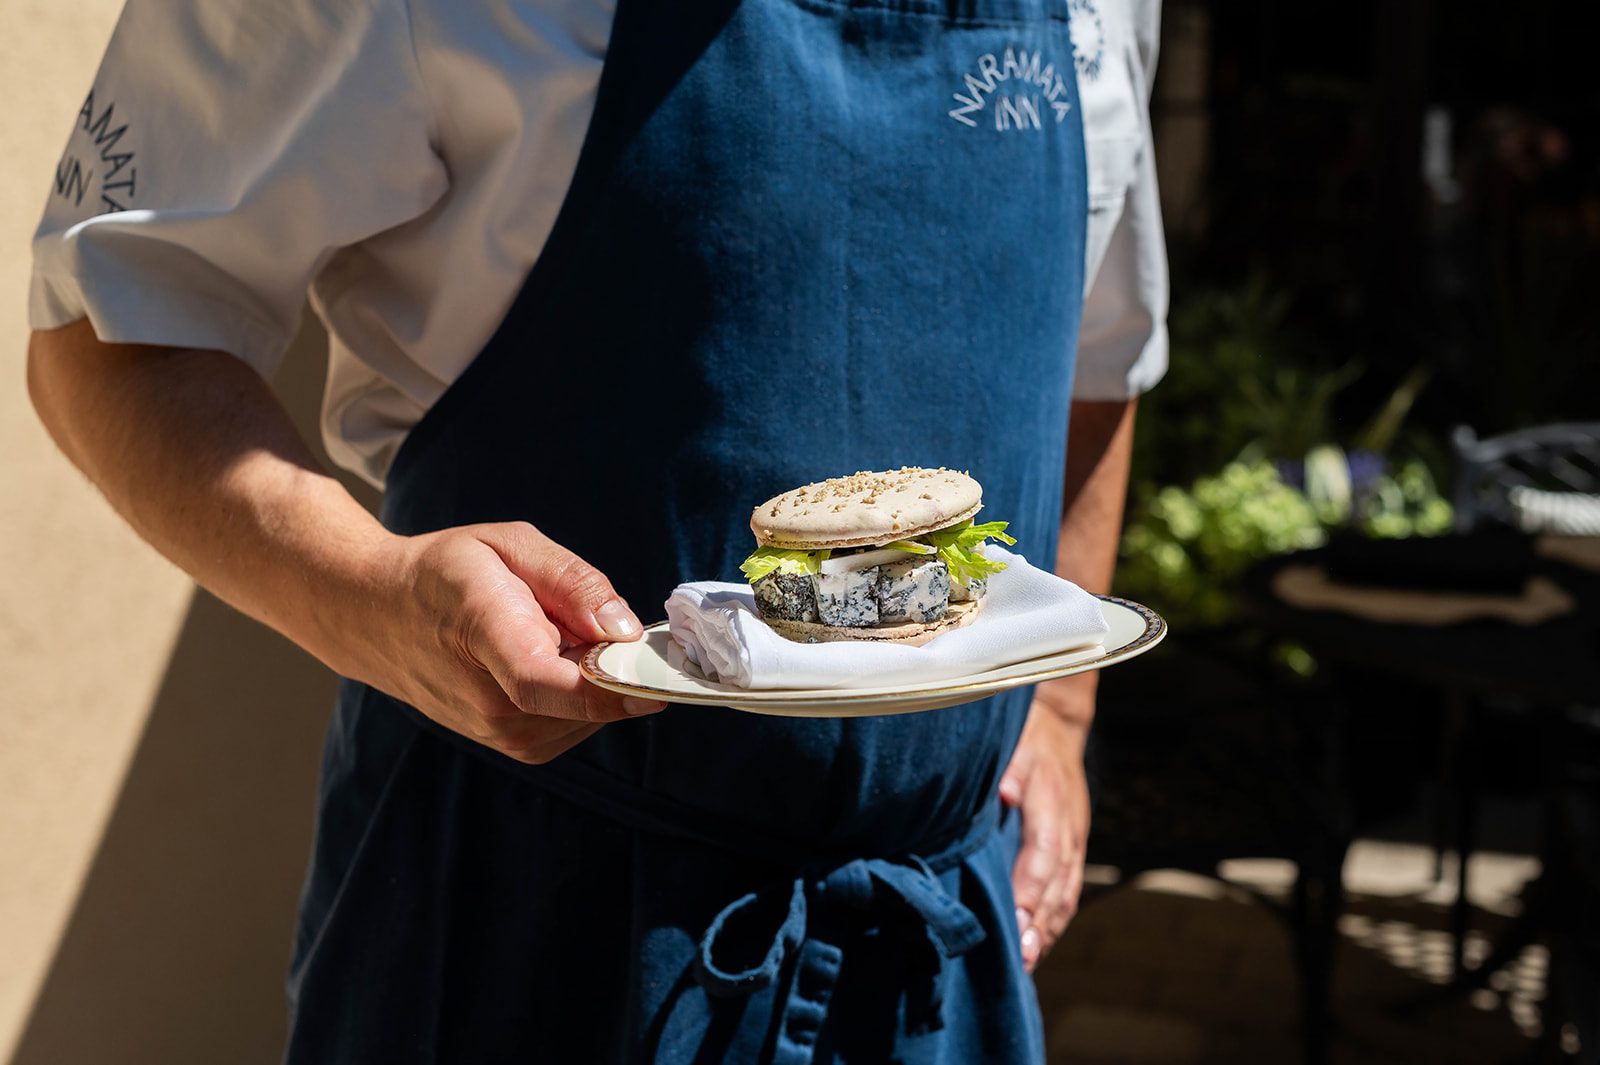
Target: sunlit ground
[1176,969]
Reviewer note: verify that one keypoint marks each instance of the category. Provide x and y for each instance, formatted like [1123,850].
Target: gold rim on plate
[1155,628]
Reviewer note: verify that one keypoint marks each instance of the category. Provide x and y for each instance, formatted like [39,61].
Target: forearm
[1095,483]
[193,449]
[1045,778]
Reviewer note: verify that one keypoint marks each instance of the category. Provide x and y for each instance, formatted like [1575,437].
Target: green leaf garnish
[912,546]
[957,544]
[973,535]
[764,561]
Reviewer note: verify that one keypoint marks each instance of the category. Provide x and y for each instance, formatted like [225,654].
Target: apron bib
[804,238]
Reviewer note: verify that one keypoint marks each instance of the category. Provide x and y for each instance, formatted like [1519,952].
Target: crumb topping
[866,503]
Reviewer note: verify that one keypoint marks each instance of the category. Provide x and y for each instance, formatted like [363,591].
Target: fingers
[1047,880]
[1040,854]
[535,741]
[549,743]
[1072,877]
[548,685]
[496,722]
[536,679]
[555,687]
[1038,863]
[1056,909]
[506,631]
[1076,821]
[1050,919]
[575,595]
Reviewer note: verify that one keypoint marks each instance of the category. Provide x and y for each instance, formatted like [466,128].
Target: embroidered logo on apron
[1018,89]
[1088,32]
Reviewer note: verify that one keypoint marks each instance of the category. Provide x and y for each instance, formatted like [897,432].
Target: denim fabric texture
[805,238]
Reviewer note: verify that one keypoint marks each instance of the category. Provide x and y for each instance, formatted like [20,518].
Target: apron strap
[872,891]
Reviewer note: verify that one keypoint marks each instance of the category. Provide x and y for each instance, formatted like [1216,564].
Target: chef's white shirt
[403,162]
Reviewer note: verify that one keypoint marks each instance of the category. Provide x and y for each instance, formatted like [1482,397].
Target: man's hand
[1046,783]
[479,630]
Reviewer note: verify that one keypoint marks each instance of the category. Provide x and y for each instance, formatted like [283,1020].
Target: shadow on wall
[176,950]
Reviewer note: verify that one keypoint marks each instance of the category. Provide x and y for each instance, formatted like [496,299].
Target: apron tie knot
[903,896]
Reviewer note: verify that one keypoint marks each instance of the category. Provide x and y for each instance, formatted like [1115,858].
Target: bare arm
[1045,779]
[1099,451]
[193,449]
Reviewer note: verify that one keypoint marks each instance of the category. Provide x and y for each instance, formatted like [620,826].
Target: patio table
[1482,615]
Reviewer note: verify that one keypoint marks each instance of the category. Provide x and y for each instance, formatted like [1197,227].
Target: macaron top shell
[866,508]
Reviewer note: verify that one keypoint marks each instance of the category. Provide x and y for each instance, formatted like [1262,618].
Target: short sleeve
[226,149]
[1122,342]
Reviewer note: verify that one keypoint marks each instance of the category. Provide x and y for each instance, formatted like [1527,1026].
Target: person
[597,280]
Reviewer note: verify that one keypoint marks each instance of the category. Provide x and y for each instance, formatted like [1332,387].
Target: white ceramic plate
[641,668]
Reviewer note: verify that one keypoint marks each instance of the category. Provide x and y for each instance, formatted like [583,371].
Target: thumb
[1012,785]
[1014,781]
[572,593]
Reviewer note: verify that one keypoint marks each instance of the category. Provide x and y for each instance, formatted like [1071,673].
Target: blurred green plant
[1184,549]
[1405,503]
[1240,456]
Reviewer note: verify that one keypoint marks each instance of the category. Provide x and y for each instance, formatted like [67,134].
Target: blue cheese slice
[786,596]
[913,590]
[849,598]
[973,590]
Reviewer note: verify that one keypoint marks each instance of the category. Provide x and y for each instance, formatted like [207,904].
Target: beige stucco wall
[157,751]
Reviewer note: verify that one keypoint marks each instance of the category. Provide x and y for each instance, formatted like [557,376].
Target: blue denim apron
[805,237]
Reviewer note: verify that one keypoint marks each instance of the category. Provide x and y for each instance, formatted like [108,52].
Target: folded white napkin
[1027,613]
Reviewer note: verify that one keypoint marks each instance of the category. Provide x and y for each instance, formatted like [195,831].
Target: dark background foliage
[1368,197]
